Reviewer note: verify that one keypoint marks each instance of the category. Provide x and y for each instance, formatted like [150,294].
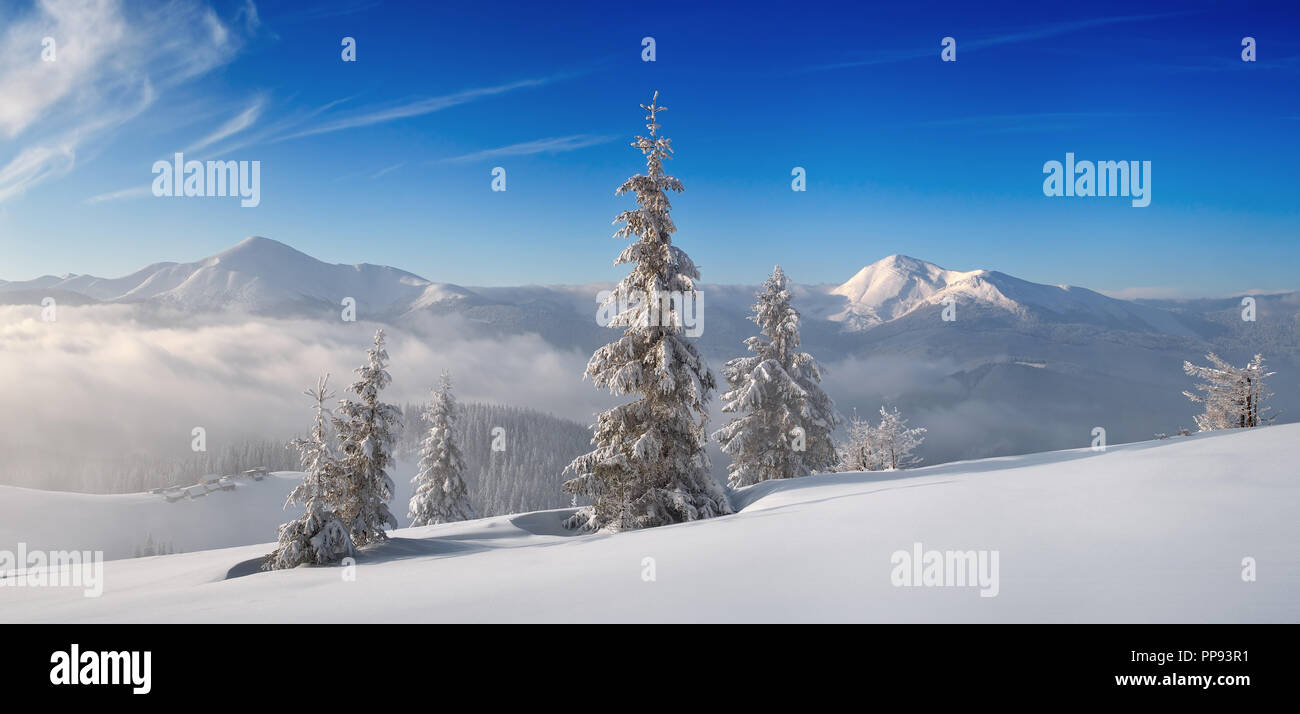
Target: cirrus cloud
[111,61]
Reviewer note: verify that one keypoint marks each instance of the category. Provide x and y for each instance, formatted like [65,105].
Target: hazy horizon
[1132,293]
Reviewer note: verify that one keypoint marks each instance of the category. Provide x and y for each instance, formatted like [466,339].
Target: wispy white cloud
[249,16]
[232,126]
[406,110]
[383,171]
[123,194]
[326,120]
[1041,32]
[279,127]
[111,61]
[35,164]
[552,145]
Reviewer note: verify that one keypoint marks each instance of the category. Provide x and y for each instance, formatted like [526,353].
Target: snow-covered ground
[1147,532]
[120,524]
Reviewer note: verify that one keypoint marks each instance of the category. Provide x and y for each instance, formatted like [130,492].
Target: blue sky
[388,159]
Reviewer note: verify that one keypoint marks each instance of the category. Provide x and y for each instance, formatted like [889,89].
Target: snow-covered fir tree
[785,430]
[888,446]
[318,536]
[440,492]
[1234,397]
[367,430]
[649,467]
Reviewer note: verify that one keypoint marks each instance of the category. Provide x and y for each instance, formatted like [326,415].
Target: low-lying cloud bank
[107,380]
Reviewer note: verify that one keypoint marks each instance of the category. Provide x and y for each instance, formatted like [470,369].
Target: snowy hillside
[527,476]
[1149,532]
[119,525]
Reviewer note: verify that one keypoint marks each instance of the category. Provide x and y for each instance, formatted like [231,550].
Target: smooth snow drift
[120,524]
[1148,532]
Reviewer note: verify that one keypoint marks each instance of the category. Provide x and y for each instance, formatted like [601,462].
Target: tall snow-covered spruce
[786,428]
[649,467]
[318,536]
[367,430]
[440,492]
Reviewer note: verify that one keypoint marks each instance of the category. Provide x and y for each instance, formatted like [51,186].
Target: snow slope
[119,524]
[1147,532]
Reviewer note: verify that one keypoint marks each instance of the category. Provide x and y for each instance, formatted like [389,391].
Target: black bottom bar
[926,663]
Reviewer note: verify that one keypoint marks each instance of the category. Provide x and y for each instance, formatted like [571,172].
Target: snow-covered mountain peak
[893,286]
[898,285]
[263,251]
[261,275]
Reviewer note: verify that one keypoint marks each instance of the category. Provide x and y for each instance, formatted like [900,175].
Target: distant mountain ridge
[898,285]
[264,276]
[258,275]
